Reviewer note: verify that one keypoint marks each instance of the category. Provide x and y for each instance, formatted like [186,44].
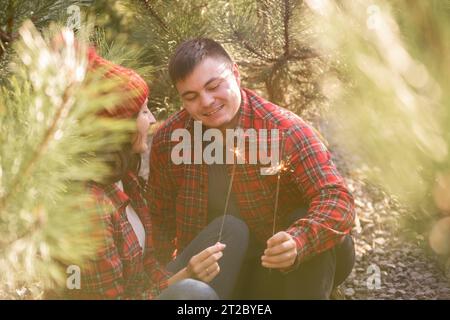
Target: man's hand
[281,251]
[204,266]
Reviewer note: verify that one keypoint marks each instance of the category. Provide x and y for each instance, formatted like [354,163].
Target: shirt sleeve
[158,275]
[331,206]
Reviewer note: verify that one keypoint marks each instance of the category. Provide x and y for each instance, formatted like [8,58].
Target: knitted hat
[133,86]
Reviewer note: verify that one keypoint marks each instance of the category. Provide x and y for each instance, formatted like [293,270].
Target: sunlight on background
[390,98]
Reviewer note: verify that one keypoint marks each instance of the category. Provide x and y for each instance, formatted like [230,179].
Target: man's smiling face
[211,93]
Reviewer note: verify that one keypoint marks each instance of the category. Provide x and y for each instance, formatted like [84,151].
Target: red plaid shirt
[120,270]
[177,194]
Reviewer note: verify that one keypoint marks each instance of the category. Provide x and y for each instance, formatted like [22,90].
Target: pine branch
[251,49]
[270,87]
[10,20]
[303,54]
[5,36]
[18,237]
[61,113]
[155,15]
[200,6]
[286,18]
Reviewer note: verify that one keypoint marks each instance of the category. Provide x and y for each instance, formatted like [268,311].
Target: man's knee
[313,279]
[234,227]
[345,260]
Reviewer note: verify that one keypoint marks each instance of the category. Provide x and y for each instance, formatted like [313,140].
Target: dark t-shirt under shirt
[218,182]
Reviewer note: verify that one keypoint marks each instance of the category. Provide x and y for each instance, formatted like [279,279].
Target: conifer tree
[271,40]
[49,134]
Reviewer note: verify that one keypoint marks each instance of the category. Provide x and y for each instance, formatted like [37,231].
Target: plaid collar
[129,194]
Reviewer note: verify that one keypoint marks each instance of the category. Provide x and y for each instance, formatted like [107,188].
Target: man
[299,245]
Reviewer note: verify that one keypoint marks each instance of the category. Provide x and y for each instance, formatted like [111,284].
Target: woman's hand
[204,266]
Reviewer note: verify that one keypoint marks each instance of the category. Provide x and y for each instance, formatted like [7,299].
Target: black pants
[314,279]
[235,235]
[188,289]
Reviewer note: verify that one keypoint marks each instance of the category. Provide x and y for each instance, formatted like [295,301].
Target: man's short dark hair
[190,53]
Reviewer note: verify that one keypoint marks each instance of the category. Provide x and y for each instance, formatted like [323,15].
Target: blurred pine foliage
[378,69]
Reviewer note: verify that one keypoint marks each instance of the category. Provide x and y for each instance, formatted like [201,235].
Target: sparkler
[237,154]
[280,168]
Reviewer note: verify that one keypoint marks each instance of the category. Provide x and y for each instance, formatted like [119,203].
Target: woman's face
[143,121]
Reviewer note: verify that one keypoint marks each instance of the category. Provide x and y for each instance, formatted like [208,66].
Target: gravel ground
[406,269]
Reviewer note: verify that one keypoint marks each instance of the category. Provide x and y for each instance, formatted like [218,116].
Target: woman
[124,267]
